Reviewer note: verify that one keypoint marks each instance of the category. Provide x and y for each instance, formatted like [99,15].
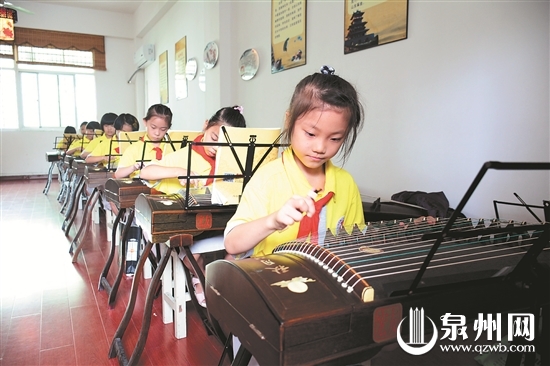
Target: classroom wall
[469,85]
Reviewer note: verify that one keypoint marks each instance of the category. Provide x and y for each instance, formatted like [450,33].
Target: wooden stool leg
[122,247]
[49,180]
[83,225]
[117,348]
[103,283]
[72,210]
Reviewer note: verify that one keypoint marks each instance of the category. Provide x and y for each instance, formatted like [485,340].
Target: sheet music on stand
[172,142]
[232,158]
[179,139]
[126,139]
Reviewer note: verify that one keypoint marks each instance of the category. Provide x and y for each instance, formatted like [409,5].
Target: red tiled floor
[52,312]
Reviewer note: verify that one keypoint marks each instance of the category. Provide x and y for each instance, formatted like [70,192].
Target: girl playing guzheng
[107,151]
[302,193]
[157,122]
[107,125]
[87,136]
[64,143]
[203,160]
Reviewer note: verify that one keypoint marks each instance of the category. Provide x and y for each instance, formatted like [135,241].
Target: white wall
[469,85]
[114,94]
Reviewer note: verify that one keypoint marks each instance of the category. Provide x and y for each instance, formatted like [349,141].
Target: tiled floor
[51,310]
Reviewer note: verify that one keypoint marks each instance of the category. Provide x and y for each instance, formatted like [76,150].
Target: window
[8,95]
[50,96]
[52,84]
[55,56]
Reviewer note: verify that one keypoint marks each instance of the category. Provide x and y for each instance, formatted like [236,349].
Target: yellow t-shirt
[93,144]
[84,142]
[134,153]
[180,158]
[276,182]
[65,141]
[106,147]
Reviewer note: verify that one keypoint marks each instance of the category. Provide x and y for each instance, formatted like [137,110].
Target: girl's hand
[137,166]
[292,211]
[194,183]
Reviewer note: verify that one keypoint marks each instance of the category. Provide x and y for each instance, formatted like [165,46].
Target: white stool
[174,295]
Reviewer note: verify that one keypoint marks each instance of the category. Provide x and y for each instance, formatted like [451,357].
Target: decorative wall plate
[191,69]
[248,64]
[210,56]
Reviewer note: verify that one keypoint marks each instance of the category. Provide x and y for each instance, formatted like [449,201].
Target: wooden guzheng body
[162,216]
[96,176]
[52,156]
[307,304]
[123,192]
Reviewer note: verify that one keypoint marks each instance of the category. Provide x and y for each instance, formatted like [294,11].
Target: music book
[177,138]
[125,139]
[228,191]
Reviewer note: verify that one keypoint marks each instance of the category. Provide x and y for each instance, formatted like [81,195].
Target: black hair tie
[327,70]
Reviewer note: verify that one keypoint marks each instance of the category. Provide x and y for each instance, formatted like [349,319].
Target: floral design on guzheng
[296,285]
[280,269]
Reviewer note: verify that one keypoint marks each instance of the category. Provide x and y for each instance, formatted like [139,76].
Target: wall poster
[181,61]
[163,77]
[288,34]
[371,23]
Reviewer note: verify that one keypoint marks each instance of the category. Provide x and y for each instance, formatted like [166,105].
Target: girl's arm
[84,154]
[73,150]
[246,236]
[123,172]
[95,159]
[157,172]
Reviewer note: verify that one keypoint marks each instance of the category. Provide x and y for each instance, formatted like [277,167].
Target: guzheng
[53,156]
[123,192]
[96,176]
[162,216]
[343,301]
[78,166]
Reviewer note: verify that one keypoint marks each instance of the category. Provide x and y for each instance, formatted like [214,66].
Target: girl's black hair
[93,125]
[69,129]
[231,116]
[108,119]
[126,119]
[160,111]
[321,91]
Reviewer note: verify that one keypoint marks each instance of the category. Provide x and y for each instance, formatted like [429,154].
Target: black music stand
[129,212]
[183,242]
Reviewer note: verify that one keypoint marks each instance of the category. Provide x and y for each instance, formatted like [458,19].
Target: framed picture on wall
[369,24]
[163,77]
[181,61]
[288,34]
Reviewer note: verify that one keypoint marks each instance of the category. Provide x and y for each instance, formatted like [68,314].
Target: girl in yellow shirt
[157,122]
[302,193]
[203,163]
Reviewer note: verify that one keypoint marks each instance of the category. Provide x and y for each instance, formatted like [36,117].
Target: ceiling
[120,6]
